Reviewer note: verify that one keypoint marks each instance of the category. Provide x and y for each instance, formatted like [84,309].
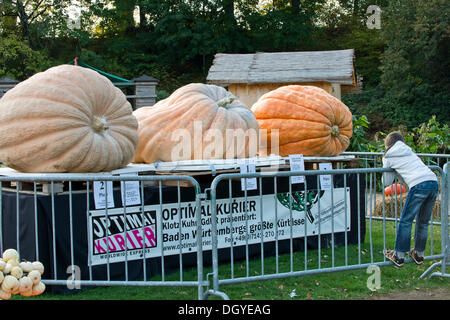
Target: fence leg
[438,274]
[213,292]
[445,225]
[215,261]
[219,294]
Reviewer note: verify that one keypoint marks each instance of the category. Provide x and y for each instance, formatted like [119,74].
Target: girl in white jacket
[423,190]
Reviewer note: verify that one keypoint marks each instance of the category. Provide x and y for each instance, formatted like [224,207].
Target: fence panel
[373,159]
[104,230]
[445,196]
[263,225]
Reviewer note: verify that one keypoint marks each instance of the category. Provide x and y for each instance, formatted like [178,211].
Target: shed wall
[250,93]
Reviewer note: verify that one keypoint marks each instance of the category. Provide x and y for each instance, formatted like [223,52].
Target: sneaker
[392,255]
[417,259]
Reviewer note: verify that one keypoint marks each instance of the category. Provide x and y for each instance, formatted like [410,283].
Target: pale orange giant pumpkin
[197,121]
[309,121]
[66,119]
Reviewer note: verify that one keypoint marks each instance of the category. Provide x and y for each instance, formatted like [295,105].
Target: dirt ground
[429,294]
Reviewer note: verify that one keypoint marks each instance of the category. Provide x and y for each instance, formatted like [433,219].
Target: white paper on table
[248,183]
[297,163]
[325,179]
[132,190]
[100,194]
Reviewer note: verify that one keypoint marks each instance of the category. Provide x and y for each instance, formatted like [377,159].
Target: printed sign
[325,179]
[100,194]
[173,228]
[130,192]
[119,232]
[248,183]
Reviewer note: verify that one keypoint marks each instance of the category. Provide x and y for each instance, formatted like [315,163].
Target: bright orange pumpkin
[197,121]
[66,119]
[310,121]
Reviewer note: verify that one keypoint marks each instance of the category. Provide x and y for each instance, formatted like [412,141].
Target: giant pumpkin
[66,119]
[197,121]
[309,121]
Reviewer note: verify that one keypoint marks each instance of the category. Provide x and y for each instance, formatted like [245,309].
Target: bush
[19,61]
[412,106]
[364,104]
[360,141]
[429,137]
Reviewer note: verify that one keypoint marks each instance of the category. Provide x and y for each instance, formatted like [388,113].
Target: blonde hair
[392,138]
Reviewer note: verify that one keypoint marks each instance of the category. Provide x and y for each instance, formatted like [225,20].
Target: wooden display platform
[204,170]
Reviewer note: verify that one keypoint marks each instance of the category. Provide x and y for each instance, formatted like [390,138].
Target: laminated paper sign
[297,163]
[103,193]
[130,192]
[325,179]
[248,183]
[172,228]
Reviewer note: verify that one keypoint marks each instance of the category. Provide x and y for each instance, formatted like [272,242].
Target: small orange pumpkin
[66,119]
[206,115]
[393,190]
[309,121]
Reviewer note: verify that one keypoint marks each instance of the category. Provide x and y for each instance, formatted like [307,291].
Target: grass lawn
[348,284]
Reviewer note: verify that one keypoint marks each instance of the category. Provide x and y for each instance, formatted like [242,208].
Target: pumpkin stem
[225,101]
[335,131]
[99,124]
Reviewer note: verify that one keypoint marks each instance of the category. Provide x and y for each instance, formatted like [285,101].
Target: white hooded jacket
[407,165]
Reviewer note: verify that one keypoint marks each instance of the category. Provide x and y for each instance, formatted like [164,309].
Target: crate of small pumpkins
[22,278]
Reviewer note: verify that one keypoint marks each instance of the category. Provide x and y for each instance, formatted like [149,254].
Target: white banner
[240,221]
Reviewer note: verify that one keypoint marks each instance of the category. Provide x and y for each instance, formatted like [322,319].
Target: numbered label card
[248,183]
[297,163]
[100,194]
[130,192]
[325,179]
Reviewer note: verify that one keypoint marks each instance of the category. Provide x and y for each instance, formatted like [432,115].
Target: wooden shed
[249,76]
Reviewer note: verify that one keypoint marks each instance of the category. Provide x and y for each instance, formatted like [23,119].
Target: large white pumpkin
[197,121]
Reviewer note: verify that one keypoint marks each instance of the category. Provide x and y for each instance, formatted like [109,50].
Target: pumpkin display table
[71,119]
[60,236]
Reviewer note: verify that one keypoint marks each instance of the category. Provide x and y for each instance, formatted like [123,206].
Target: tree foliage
[404,65]
[18,60]
[415,63]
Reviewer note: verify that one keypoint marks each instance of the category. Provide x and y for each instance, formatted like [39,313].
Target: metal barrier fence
[335,245]
[373,159]
[445,230]
[254,226]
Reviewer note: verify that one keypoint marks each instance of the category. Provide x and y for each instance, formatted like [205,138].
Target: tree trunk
[8,16]
[125,9]
[355,8]
[295,6]
[143,22]
[228,9]
[23,20]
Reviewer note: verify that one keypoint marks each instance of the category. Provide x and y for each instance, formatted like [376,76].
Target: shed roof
[8,80]
[145,78]
[283,67]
